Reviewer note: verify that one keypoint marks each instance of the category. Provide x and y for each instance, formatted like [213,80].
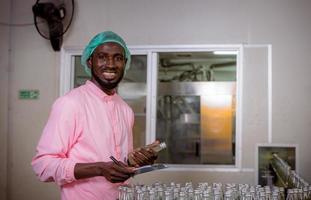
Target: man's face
[107,64]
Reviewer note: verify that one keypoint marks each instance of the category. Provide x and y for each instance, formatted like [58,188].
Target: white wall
[4,82]
[34,65]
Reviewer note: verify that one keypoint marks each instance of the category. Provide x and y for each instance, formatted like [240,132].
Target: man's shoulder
[75,92]
[74,97]
[124,104]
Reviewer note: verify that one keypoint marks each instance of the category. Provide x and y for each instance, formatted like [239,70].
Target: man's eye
[119,58]
[102,57]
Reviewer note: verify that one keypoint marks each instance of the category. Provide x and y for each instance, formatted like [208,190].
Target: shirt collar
[97,91]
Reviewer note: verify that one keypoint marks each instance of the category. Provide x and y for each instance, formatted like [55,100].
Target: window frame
[67,81]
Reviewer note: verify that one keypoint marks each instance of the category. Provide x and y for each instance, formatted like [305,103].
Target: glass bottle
[248,196]
[206,196]
[309,193]
[305,193]
[300,194]
[228,196]
[197,195]
[182,195]
[290,195]
[268,194]
[139,195]
[282,193]
[190,194]
[124,194]
[151,194]
[145,193]
[167,195]
[160,193]
[121,192]
[217,195]
[129,194]
[252,192]
[295,190]
[156,147]
[275,196]
[262,196]
[175,193]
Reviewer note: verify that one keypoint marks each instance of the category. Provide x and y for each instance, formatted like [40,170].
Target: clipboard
[149,168]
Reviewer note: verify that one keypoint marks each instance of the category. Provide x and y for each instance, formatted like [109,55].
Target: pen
[115,160]
[117,163]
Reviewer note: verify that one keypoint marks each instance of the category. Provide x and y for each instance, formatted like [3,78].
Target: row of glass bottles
[298,193]
[214,191]
[296,180]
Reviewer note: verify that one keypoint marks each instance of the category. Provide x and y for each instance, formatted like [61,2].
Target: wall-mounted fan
[52,19]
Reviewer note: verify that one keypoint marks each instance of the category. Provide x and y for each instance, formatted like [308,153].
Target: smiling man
[88,125]
[107,66]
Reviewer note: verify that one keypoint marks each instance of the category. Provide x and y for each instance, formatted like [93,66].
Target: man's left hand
[142,156]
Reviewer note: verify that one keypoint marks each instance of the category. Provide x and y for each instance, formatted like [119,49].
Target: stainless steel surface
[189,118]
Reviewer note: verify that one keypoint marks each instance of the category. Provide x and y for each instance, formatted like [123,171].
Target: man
[88,125]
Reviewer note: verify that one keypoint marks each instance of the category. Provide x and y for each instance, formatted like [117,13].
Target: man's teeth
[109,74]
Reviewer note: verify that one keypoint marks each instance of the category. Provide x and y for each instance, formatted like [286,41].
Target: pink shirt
[85,125]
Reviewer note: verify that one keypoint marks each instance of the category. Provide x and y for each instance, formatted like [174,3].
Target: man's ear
[89,62]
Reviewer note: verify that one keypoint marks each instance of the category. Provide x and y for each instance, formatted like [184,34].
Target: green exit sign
[29,94]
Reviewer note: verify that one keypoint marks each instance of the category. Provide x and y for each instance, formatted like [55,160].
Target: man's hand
[117,172]
[143,155]
[112,172]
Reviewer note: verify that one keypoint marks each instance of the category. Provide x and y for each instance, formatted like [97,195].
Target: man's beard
[107,84]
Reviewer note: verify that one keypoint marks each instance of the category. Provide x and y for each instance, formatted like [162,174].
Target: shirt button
[118,152]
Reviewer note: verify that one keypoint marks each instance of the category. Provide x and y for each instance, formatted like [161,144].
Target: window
[133,89]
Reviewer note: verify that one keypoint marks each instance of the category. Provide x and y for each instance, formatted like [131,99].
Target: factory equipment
[196,107]
[285,176]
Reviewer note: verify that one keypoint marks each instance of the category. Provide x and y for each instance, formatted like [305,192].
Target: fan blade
[56,30]
[56,43]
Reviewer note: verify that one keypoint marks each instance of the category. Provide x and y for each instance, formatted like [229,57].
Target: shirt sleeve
[51,162]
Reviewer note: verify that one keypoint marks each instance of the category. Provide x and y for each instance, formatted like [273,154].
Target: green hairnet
[102,38]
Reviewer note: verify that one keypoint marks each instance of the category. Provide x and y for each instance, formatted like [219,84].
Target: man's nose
[110,62]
